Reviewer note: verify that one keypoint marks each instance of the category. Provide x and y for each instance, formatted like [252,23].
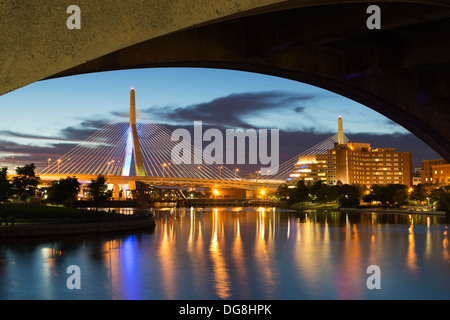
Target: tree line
[387,195]
[24,187]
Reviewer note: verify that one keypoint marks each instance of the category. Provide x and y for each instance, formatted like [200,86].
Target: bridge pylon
[133,145]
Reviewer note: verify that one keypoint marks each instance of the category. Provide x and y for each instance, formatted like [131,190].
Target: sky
[46,119]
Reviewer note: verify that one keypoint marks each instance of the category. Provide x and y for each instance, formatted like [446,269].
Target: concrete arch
[401,71]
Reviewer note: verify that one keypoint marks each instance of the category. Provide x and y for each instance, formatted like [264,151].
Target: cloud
[8,133]
[232,110]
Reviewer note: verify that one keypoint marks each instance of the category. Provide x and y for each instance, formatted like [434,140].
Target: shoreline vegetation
[305,206]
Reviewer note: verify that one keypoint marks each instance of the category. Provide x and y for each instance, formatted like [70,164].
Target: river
[239,253]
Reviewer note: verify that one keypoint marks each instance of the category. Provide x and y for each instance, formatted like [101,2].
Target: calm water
[240,253]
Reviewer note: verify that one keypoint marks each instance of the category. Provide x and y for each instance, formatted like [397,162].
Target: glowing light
[128,155]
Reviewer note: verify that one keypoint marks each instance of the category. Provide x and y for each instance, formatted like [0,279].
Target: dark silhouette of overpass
[402,70]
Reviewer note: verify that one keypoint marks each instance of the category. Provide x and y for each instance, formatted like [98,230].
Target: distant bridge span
[245,184]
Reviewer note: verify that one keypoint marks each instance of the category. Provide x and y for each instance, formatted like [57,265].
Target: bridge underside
[401,71]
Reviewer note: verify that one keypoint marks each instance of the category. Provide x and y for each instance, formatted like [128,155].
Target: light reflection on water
[239,253]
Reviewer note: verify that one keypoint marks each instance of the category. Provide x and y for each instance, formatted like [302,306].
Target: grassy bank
[314,206]
[28,211]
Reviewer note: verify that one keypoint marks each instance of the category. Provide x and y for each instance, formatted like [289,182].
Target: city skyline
[46,119]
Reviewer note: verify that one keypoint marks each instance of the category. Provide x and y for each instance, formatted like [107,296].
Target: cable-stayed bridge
[135,148]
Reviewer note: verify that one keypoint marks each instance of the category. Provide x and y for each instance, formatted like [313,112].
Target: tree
[98,190]
[420,192]
[400,195]
[283,192]
[64,191]
[350,196]
[441,197]
[299,194]
[5,185]
[25,182]
[324,192]
[389,194]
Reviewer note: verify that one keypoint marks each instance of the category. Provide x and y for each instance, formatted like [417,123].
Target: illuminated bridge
[134,148]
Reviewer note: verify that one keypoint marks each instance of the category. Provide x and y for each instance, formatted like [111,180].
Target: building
[310,168]
[427,174]
[441,173]
[416,176]
[355,163]
[358,163]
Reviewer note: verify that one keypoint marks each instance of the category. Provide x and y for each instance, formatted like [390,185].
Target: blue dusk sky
[48,118]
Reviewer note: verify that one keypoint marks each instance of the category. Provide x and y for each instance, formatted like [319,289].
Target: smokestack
[340,131]
[132,107]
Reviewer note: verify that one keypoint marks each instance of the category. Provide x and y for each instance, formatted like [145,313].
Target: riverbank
[313,206]
[335,206]
[394,210]
[23,221]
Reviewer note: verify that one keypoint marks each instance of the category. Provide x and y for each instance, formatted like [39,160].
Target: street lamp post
[48,163]
[235,171]
[59,162]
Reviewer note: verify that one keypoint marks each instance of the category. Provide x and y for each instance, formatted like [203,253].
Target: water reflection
[239,253]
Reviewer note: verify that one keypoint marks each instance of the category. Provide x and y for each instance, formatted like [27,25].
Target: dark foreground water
[239,253]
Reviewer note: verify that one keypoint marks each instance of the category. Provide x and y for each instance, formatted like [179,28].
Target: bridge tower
[133,144]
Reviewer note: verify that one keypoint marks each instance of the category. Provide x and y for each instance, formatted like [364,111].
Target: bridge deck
[247,184]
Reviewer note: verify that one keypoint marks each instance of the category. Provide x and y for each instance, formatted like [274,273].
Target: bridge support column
[116,192]
[249,194]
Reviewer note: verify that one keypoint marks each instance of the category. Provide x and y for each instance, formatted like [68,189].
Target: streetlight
[263,192]
[220,168]
[235,170]
[59,162]
[48,163]
[164,168]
